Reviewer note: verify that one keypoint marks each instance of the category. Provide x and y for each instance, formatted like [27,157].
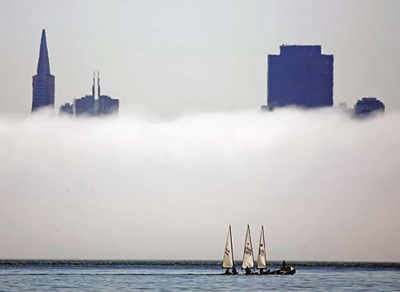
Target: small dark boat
[262,261]
[290,270]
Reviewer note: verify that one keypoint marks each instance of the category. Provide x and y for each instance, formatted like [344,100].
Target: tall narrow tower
[43,81]
[94,86]
[98,84]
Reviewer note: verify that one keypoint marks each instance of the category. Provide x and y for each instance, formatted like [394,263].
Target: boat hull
[290,271]
[276,272]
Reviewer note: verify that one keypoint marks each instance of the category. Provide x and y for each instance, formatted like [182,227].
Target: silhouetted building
[107,105]
[67,108]
[85,105]
[368,105]
[300,76]
[92,106]
[43,81]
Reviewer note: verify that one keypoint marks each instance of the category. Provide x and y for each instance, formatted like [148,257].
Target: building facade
[300,76]
[95,104]
[67,108]
[43,82]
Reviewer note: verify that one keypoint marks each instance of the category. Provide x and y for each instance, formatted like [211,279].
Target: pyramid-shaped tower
[43,81]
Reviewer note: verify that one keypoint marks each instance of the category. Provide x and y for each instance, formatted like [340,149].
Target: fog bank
[137,186]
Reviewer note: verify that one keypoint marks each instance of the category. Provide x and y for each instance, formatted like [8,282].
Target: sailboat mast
[262,259]
[259,248]
[265,248]
[233,259]
[251,244]
[244,249]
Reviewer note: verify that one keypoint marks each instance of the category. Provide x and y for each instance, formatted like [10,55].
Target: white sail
[248,259]
[262,259]
[227,262]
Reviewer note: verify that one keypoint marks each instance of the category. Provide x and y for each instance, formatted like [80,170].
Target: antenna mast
[98,84]
[93,86]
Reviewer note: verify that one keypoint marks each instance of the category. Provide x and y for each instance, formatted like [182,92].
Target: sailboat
[262,259]
[228,262]
[248,259]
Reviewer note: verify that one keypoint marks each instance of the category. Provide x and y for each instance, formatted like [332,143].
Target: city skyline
[299,76]
[202,66]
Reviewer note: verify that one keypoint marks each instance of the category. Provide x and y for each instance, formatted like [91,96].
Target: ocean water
[18,275]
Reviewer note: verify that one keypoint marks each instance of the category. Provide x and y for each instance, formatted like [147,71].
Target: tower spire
[43,81]
[43,67]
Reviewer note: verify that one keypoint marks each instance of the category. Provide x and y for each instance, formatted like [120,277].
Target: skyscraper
[43,81]
[300,76]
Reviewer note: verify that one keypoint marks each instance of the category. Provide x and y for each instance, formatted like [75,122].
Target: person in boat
[287,269]
[284,266]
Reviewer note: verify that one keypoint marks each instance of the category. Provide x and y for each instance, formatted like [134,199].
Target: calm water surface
[189,276]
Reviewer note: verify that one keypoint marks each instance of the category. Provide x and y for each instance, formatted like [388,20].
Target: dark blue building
[43,81]
[368,105]
[85,105]
[107,105]
[300,76]
[92,105]
[67,108]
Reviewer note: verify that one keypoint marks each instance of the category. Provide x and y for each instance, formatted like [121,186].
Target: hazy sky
[194,55]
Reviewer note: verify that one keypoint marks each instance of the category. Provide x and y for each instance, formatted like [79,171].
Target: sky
[174,56]
[190,152]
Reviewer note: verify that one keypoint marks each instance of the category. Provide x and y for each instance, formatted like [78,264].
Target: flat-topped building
[300,76]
